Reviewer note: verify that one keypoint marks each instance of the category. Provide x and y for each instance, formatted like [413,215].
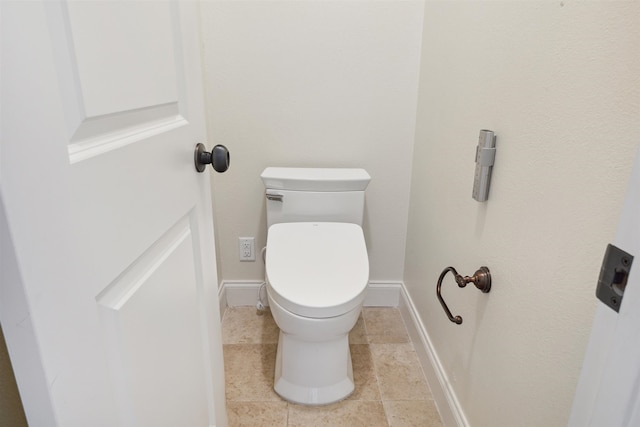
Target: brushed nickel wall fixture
[481,278]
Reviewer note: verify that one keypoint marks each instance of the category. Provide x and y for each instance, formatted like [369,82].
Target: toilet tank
[314,194]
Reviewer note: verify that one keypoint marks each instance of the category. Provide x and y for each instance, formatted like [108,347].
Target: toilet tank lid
[315,179]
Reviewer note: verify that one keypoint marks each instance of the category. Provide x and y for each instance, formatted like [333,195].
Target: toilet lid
[317,269]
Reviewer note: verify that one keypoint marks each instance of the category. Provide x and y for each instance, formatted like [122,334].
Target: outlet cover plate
[247,248]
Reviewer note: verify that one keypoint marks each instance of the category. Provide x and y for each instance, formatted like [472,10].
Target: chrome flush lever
[275,197]
[481,278]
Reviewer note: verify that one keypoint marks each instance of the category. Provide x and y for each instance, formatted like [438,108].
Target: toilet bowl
[317,271]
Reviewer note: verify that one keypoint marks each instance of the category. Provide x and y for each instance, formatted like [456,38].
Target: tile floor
[390,387]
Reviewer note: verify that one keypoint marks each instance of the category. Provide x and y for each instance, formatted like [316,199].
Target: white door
[109,293]
[608,393]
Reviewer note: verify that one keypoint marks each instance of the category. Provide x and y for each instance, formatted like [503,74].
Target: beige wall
[315,83]
[312,83]
[559,82]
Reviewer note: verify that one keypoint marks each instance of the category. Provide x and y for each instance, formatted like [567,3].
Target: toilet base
[313,360]
[313,373]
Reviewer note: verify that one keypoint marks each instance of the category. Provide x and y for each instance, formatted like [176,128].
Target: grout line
[375,370]
[287,415]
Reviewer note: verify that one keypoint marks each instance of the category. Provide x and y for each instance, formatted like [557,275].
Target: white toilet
[317,272]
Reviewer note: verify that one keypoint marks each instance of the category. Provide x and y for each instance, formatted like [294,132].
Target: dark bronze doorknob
[219,158]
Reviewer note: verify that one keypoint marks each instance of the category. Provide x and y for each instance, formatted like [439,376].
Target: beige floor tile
[242,325]
[399,372]
[358,334]
[348,413]
[384,325]
[249,370]
[364,375]
[387,370]
[411,413]
[257,414]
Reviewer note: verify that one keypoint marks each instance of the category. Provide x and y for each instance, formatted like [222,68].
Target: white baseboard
[448,405]
[222,300]
[238,293]
[383,294]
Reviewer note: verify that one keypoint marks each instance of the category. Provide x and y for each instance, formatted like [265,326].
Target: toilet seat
[317,269]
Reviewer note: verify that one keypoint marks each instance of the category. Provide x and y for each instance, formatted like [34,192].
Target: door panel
[120,67]
[134,66]
[112,225]
[148,316]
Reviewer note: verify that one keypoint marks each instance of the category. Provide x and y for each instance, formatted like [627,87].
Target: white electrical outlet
[247,248]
